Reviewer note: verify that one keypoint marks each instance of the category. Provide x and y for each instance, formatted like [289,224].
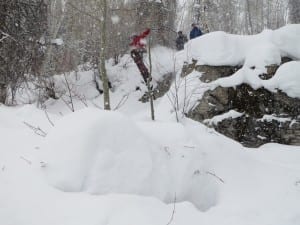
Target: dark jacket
[195,32]
[180,41]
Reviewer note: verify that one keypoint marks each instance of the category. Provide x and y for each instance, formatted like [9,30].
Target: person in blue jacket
[195,32]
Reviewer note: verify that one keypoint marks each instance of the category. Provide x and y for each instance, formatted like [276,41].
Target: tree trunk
[294,6]
[249,18]
[101,65]
[2,93]
[150,92]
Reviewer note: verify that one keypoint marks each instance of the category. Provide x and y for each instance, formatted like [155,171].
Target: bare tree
[102,4]
[22,24]
[294,7]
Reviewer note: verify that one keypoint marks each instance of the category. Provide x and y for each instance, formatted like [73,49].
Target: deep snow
[104,164]
[119,168]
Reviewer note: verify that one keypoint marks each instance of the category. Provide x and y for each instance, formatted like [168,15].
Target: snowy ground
[119,168]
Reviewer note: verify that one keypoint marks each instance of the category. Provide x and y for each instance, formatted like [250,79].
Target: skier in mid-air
[138,46]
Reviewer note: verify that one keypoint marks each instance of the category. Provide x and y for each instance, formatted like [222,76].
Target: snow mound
[287,40]
[95,150]
[102,152]
[262,55]
[287,79]
[266,48]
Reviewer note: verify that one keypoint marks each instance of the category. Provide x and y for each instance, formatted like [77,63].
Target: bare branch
[214,175]
[122,101]
[26,160]
[173,212]
[47,115]
[37,130]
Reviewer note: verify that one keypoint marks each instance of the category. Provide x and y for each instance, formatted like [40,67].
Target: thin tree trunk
[148,81]
[101,66]
[249,19]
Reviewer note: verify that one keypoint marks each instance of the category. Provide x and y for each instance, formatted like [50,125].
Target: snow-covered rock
[252,75]
[222,49]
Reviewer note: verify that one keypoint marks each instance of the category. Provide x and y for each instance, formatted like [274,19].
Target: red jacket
[137,41]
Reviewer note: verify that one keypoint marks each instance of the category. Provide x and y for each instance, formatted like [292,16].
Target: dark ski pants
[137,56]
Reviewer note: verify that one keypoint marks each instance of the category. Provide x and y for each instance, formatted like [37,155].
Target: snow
[115,19]
[104,176]
[118,167]
[98,158]
[57,41]
[287,79]
[231,114]
[270,118]
[287,40]
[220,48]
[253,54]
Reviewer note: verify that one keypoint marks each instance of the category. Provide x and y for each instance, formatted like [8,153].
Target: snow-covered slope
[120,168]
[107,156]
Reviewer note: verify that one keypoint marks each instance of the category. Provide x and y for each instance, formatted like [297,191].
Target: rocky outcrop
[161,88]
[265,116]
[209,73]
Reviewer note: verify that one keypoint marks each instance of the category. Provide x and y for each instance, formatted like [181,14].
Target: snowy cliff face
[250,85]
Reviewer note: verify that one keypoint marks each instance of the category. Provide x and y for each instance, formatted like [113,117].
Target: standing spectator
[195,32]
[180,41]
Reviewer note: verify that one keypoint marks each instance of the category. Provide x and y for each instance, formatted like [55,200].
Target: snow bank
[244,75]
[103,152]
[286,79]
[266,48]
[253,53]
[187,159]
[95,147]
[232,114]
[287,40]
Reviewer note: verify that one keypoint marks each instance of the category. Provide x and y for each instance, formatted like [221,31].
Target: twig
[173,212]
[122,101]
[67,104]
[70,92]
[37,130]
[214,175]
[48,118]
[6,35]
[97,106]
[166,148]
[192,147]
[82,99]
[26,160]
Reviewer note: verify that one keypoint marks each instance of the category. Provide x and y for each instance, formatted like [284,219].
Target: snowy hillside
[96,167]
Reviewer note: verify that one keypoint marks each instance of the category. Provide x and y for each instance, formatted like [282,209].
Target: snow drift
[106,154]
[103,152]
[266,48]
